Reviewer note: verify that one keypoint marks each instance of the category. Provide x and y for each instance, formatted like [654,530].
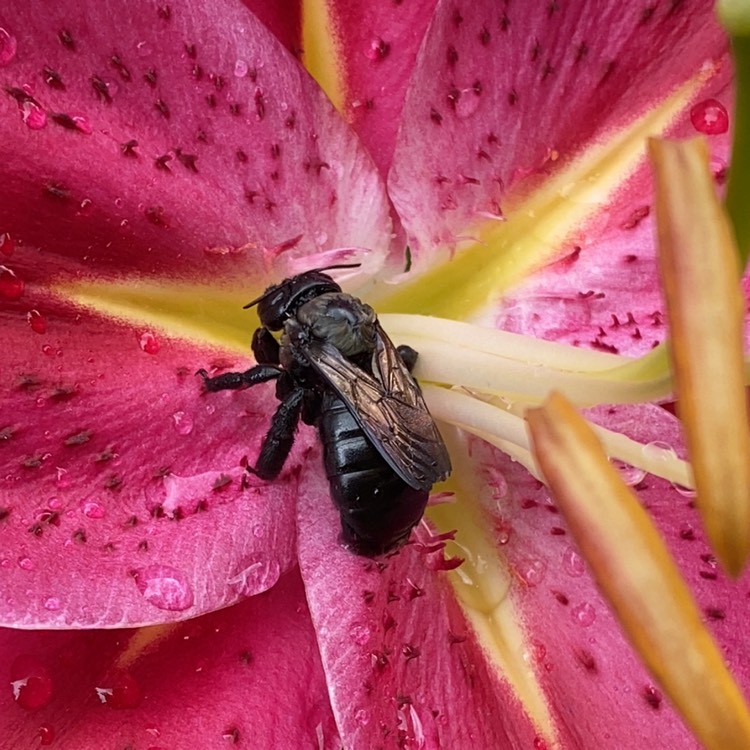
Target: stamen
[638,577]
[700,274]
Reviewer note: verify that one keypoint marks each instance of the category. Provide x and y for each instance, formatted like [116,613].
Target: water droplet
[255,577]
[52,604]
[532,571]
[361,717]
[26,563]
[573,563]
[83,124]
[584,614]
[240,68]
[123,691]
[93,509]
[7,246]
[50,352]
[631,475]
[37,321]
[710,117]
[11,286]
[46,734]
[34,117]
[165,587]
[54,503]
[685,491]
[377,49]
[183,423]
[31,682]
[258,531]
[467,104]
[360,633]
[148,342]
[8,47]
[503,536]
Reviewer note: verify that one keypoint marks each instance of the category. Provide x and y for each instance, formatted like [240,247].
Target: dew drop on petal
[257,576]
[183,423]
[7,246]
[92,509]
[240,68]
[121,691]
[46,734]
[31,682]
[532,571]
[33,116]
[83,124]
[37,321]
[573,563]
[710,117]
[165,587]
[362,717]
[8,47]
[148,342]
[631,475]
[11,285]
[467,104]
[360,634]
[26,563]
[52,604]
[584,614]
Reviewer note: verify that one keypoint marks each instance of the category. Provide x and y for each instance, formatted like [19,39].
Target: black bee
[337,369]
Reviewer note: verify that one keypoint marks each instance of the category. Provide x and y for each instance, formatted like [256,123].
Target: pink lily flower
[161,165]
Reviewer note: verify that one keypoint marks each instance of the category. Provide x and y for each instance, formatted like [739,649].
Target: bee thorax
[340,320]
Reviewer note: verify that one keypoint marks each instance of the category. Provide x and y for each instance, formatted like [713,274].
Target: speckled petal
[583,662]
[404,669]
[513,93]
[181,143]
[122,496]
[376,45]
[250,674]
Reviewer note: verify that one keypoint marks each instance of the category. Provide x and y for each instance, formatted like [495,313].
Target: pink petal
[605,293]
[403,667]
[183,141]
[121,487]
[247,674]
[515,91]
[584,663]
[282,19]
[378,42]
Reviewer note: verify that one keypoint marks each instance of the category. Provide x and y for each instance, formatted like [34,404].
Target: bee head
[282,300]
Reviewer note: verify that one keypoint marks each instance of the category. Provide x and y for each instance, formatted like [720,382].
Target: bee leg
[265,347]
[408,356]
[280,437]
[234,380]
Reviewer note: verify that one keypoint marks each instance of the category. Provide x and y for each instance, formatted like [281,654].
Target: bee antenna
[272,289]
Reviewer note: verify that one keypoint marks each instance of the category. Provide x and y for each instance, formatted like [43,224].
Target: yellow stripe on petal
[638,577]
[701,281]
[537,225]
[321,54]
[210,315]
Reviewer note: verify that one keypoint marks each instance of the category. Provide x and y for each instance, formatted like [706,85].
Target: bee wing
[390,409]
